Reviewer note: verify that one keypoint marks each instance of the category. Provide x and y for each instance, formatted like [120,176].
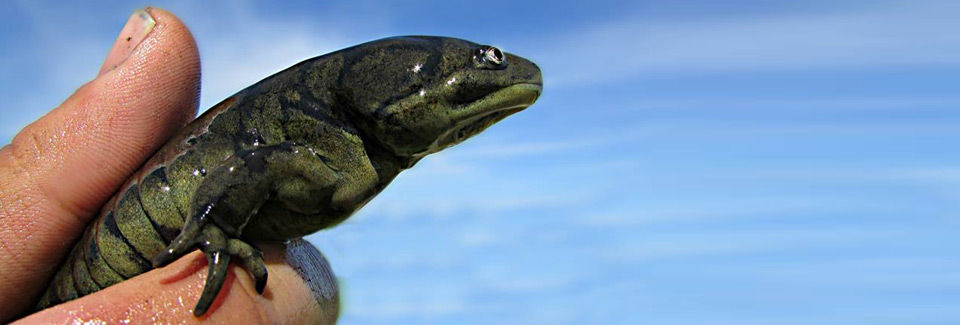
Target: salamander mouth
[489,110]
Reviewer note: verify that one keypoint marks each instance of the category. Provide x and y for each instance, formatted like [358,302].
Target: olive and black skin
[295,153]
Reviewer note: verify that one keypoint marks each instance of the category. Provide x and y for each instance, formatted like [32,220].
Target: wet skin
[295,153]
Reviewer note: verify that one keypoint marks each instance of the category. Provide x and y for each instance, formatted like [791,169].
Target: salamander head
[417,95]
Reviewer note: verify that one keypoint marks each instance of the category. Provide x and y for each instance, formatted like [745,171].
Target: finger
[59,170]
[301,290]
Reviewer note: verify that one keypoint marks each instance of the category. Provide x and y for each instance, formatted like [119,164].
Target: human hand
[59,171]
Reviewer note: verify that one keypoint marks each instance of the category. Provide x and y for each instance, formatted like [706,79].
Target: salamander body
[297,152]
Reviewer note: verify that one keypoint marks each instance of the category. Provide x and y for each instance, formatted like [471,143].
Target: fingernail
[133,33]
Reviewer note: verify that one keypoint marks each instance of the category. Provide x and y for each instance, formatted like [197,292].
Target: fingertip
[164,67]
[138,26]
[316,273]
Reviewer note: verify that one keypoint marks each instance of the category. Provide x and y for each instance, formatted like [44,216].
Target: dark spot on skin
[162,173]
[256,163]
[93,251]
[128,38]
[111,224]
[92,254]
[166,233]
[324,159]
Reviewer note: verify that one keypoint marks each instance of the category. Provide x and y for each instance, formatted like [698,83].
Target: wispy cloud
[503,148]
[739,242]
[766,105]
[50,64]
[888,34]
[699,211]
[405,206]
[235,53]
[369,308]
[906,271]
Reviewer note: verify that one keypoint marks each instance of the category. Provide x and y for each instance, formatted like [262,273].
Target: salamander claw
[214,245]
[218,250]
[252,259]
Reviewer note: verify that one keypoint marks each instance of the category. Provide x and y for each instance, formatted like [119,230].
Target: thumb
[58,171]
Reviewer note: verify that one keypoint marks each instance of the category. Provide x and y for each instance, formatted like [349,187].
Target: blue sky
[690,162]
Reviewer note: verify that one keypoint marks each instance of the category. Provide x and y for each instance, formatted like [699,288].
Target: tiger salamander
[295,153]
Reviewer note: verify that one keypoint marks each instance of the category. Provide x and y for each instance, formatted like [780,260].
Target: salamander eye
[494,55]
[489,57]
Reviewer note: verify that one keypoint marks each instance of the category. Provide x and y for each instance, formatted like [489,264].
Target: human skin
[52,184]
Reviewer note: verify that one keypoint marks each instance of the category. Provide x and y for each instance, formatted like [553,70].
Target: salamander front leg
[218,250]
[214,246]
[185,242]
[232,194]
